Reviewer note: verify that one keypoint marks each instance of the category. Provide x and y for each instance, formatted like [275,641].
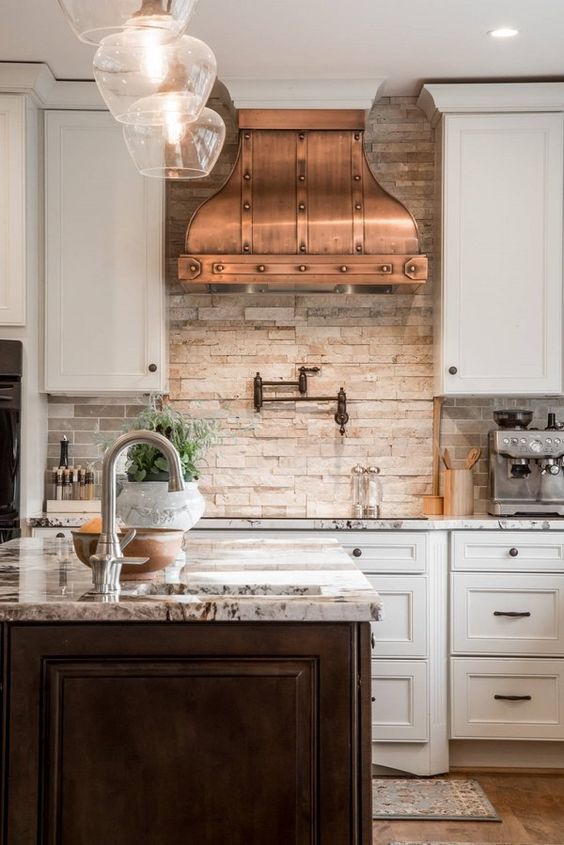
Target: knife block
[459,492]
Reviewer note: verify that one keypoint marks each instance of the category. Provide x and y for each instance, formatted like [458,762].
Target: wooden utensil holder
[459,492]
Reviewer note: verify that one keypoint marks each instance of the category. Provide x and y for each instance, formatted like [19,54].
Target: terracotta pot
[162,546]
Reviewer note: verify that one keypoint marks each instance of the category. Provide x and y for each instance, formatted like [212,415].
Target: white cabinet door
[501,310]
[104,261]
[12,210]
[399,701]
[403,630]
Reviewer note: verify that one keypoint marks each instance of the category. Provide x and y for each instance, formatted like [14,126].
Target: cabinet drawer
[399,701]
[387,551]
[502,614]
[508,550]
[507,699]
[403,630]
[52,533]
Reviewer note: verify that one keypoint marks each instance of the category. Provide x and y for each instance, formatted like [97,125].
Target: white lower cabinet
[105,324]
[409,669]
[507,635]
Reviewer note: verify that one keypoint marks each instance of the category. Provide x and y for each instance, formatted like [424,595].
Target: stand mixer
[526,466]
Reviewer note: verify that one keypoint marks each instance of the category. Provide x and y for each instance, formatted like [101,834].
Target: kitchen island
[227,703]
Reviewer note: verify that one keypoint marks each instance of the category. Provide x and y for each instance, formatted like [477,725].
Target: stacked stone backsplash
[290,460]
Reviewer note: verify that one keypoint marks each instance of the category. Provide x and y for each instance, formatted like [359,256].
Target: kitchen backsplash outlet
[291,461]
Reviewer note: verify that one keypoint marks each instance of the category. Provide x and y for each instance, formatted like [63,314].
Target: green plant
[191,437]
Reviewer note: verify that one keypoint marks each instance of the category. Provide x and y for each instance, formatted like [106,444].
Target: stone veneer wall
[290,460]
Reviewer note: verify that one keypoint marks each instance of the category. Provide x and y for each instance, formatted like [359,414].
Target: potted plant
[144,500]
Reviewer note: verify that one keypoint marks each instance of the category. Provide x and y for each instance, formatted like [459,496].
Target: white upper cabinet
[499,309]
[105,325]
[12,209]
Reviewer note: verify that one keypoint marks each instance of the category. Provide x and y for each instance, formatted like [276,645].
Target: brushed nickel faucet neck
[106,563]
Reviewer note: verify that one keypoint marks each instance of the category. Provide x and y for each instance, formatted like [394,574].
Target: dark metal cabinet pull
[512,613]
[513,697]
[453,370]
[60,536]
[513,552]
[372,640]
[152,368]
[357,552]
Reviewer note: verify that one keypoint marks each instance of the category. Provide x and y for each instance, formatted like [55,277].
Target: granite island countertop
[223,580]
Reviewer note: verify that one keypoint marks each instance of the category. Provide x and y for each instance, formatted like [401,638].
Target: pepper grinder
[372,493]
[358,487]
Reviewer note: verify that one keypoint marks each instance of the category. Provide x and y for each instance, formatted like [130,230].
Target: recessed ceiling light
[503,32]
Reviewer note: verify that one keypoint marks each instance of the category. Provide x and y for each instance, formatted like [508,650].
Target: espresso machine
[526,466]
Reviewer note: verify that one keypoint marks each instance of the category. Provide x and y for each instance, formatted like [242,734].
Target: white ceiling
[405,41]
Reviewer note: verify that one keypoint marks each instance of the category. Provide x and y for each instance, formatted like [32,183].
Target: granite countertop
[410,523]
[229,580]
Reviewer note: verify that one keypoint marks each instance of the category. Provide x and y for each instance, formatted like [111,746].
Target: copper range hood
[302,210]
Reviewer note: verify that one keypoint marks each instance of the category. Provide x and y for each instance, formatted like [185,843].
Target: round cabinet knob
[373,698]
[513,552]
[357,552]
[60,535]
[152,368]
[453,370]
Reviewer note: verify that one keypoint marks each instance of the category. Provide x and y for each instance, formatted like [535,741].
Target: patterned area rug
[430,798]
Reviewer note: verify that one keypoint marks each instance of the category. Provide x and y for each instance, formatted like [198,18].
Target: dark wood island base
[169,733]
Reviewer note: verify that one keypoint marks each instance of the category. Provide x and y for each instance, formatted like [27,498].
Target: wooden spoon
[473,457]
[446,459]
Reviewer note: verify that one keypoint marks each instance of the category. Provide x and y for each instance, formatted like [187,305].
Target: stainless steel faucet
[108,559]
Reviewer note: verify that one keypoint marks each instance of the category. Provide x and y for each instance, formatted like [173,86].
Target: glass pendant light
[178,148]
[93,20]
[137,73]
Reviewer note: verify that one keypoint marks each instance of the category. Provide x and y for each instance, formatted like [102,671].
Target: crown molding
[37,81]
[459,98]
[303,93]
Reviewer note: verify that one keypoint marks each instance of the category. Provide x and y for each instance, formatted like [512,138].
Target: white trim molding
[303,93]
[461,98]
[37,80]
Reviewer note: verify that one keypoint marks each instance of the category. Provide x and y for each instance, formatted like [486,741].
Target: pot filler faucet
[108,559]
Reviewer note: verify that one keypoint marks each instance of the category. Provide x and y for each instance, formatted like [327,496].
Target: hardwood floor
[531,807]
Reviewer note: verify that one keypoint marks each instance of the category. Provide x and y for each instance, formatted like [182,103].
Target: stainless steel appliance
[526,466]
[10,437]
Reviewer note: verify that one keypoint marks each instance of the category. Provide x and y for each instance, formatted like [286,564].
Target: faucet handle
[134,561]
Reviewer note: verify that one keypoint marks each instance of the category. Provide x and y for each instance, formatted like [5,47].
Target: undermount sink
[207,589]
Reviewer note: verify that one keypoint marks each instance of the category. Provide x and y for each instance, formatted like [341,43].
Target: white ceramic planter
[148,504]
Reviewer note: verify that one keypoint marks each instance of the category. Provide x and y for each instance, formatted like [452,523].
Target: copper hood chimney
[302,210]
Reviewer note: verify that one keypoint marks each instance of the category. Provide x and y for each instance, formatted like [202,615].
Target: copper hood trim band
[302,119]
[227,269]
